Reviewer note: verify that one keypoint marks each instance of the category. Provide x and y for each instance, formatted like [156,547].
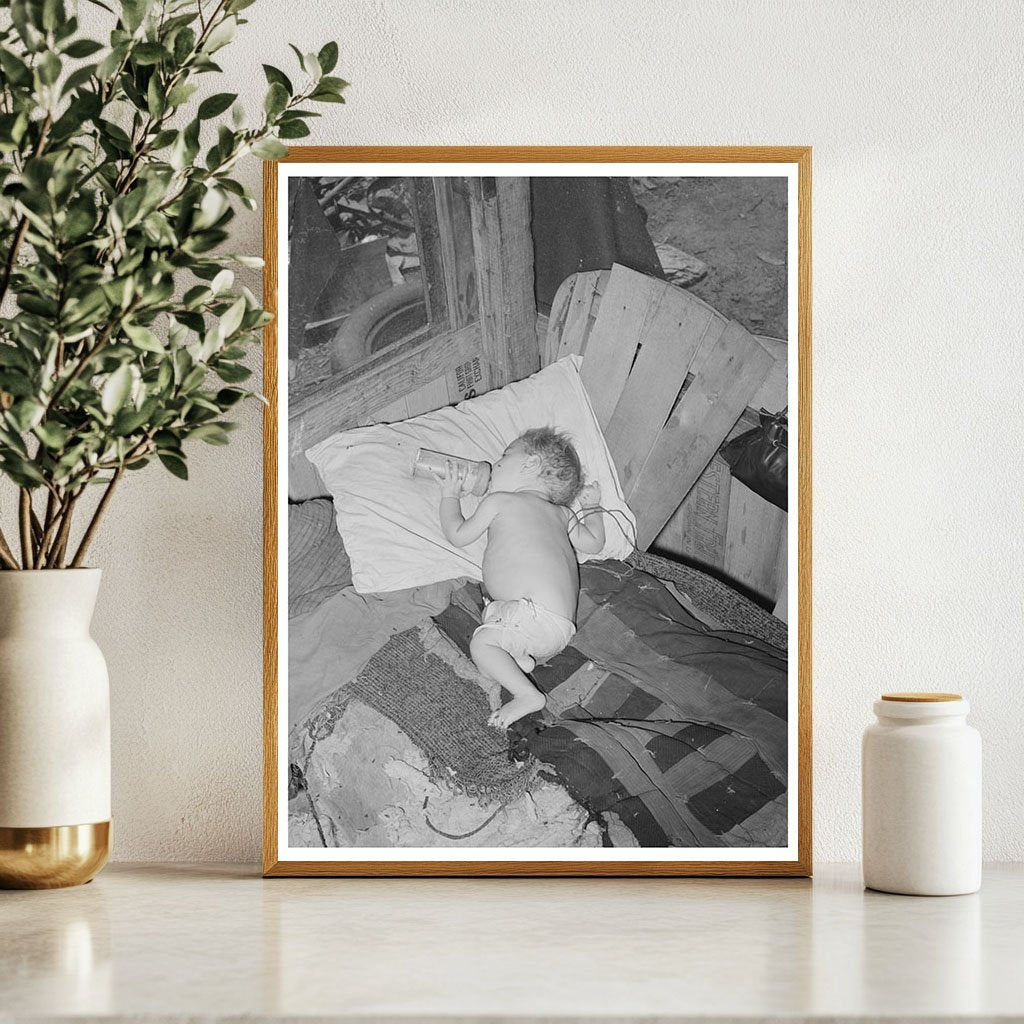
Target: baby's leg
[497,663]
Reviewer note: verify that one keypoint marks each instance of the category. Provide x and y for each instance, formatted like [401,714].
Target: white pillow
[388,519]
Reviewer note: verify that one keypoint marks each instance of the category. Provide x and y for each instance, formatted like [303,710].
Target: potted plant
[122,342]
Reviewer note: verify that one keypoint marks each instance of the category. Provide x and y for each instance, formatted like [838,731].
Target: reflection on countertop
[180,941]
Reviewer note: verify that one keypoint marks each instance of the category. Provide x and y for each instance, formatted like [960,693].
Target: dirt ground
[737,226]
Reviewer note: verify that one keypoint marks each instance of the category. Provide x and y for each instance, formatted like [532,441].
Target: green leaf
[269,149]
[16,70]
[82,48]
[232,373]
[21,471]
[143,338]
[211,433]
[49,68]
[78,78]
[53,435]
[184,44]
[274,75]
[216,104]
[328,57]
[149,53]
[193,379]
[334,84]
[175,465]
[293,130]
[181,94]
[128,421]
[227,397]
[222,281]
[311,65]
[221,35]
[276,99]
[323,96]
[232,319]
[53,14]
[133,12]
[26,414]
[156,101]
[116,390]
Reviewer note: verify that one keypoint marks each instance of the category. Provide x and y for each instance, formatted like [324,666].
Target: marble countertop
[177,941]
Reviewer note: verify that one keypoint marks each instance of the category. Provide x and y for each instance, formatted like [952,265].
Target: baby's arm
[458,530]
[587,530]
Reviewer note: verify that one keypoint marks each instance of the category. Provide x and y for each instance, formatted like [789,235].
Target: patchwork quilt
[652,716]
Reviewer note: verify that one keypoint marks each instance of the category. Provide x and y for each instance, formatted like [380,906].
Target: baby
[531,575]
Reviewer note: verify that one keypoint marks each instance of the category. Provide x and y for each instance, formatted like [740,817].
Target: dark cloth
[585,224]
[678,729]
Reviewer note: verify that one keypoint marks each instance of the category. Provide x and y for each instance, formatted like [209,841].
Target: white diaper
[526,629]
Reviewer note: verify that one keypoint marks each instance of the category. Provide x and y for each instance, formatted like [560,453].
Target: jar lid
[921,698]
[921,705]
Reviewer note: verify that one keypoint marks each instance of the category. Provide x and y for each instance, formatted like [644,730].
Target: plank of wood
[612,346]
[721,389]
[393,412]
[773,394]
[428,240]
[781,610]
[587,291]
[343,401]
[671,332]
[432,395]
[503,247]
[696,531]
[455,236]
[754,531]
[555,321]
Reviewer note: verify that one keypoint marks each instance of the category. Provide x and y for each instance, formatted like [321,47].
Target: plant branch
[6,554]
[61,541]
[90,531]
[25,523]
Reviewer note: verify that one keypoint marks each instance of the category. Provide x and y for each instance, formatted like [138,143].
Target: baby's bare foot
[525,662]
[516,709]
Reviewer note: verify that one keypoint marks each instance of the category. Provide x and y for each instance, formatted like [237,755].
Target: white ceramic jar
[921,777]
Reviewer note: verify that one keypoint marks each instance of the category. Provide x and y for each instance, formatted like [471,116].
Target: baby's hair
[560,470]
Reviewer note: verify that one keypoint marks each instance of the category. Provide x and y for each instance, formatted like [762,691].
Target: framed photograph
[538,512]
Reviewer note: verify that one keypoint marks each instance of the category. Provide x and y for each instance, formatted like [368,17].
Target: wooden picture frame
[476,302]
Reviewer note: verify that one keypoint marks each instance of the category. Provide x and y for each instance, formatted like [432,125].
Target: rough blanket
[677,729]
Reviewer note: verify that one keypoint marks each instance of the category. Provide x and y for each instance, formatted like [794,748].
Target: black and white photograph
[537,581]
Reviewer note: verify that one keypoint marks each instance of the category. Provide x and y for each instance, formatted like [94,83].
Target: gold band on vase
[52,857]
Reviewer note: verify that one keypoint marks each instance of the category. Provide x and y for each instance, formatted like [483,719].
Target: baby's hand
[454,481]
[590,495]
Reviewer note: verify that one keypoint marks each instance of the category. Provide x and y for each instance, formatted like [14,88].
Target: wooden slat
[782,576]
[428,241]
[555,321]
[773,394]
[696,531]
[574,331]
[724,383]
[503,247]
[625,305]
[455,236]
[343,402]
[670,335]
[753,534]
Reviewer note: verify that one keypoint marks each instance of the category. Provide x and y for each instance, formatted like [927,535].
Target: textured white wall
[914,113]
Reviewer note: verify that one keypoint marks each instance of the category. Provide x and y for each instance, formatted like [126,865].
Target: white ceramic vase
[54,731]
